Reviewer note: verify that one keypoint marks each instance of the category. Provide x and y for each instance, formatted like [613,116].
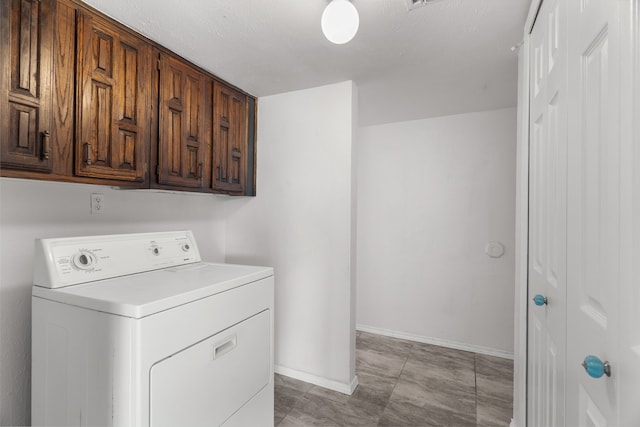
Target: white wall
[431,194]
[301,223]
[34,209]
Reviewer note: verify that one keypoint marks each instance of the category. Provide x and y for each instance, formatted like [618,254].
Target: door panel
[594,178]
[548,216]
[203,385]
[182,147]
[536,371]
[537,184]
[26,56]
[552,382]
[229,139]
[594,208]
[590,414]
[114,98]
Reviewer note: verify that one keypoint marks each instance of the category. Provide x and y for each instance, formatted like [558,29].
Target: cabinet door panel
[181,146]
[25,46]
[114,98]
[229,139]
[99,123]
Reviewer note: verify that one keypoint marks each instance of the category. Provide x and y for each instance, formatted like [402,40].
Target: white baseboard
[436,341]
[345,388]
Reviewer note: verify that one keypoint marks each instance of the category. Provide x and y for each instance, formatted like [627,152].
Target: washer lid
[143,294]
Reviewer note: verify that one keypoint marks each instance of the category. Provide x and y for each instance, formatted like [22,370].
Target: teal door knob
[539,300]
[596,367]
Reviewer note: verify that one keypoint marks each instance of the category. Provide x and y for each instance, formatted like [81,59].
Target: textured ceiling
[450,57]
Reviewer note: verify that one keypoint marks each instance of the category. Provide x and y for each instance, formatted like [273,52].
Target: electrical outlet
[97,203]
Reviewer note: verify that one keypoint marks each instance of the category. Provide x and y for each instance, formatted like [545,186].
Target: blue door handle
[539,300]
[596,367]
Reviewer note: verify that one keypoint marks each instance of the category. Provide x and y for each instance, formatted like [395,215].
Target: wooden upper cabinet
[182,147]
[113,101]
[25,84]
[229,139]
[85,99]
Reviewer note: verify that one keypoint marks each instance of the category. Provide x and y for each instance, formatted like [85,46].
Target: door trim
[522,226]
[630,204]
[522,241]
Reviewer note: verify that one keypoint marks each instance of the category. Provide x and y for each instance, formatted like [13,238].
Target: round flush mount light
[340,21]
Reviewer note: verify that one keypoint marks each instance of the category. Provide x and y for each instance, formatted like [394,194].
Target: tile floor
[403,383]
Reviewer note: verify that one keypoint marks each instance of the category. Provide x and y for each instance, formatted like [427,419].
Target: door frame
[522,226]
[630,200]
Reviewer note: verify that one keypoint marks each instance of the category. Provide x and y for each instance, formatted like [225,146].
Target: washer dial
[83,260]
[154,249]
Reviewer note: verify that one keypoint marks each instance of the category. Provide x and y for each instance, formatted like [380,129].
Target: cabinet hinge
[158,63]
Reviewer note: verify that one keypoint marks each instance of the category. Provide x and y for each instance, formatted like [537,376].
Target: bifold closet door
[584,211]
[594,208]
[548,217]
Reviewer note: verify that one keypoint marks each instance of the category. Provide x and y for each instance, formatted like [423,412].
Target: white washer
[135,330]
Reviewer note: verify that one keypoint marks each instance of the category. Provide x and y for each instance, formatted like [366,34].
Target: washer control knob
[83,260]
[156,251]
[185,247]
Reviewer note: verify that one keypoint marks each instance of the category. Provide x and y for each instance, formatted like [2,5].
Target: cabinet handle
[87,153]
[225,118]
[45,144]
[199,170]
[219,173]
[235,153]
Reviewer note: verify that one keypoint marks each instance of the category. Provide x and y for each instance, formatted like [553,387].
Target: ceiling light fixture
[340,21]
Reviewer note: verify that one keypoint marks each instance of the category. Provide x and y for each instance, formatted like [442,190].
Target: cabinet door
[229,139]
[113,100]
[181,146]
[25,84]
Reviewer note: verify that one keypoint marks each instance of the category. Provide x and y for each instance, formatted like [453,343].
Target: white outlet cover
[97,203]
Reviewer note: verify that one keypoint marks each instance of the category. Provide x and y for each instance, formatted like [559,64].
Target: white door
[584,211]
[593,233]
[547,215]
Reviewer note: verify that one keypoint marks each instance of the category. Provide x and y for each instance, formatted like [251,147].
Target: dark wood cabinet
[26,110]
[113,102]
[250,182]
[230,129]
[85,99]
[181,146]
